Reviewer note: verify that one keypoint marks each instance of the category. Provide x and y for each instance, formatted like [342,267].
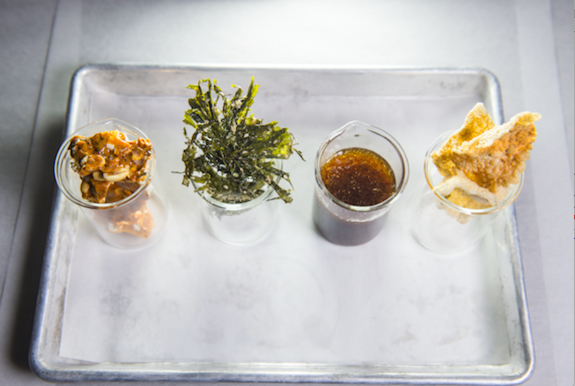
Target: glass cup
[240,224]
[134,222]
[245,223]
[442,226]
[342,223]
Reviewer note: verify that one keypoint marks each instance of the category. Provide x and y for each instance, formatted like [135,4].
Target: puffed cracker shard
[482,159]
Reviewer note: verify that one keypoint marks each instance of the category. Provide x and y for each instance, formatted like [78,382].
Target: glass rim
[385,135]
[241,206]
[63,161]
[427,164]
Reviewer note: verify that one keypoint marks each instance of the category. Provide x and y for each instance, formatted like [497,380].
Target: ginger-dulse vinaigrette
[358,177]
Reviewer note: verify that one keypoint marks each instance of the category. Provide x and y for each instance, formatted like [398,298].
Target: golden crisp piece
[477,122]
[482,159]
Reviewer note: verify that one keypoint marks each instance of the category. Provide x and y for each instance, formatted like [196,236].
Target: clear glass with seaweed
[234,162]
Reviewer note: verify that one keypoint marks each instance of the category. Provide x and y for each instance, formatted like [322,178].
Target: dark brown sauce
[358,177]
[342,232]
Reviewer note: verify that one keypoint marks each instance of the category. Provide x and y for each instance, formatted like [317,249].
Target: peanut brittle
[481,160]
[135,218]
[112,168]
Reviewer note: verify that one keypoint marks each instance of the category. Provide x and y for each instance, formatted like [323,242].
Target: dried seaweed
[231,155]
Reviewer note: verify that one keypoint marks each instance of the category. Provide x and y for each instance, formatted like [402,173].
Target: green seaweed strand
[231,155]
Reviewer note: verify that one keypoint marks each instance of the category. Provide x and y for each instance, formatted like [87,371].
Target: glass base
[240,227]
[441,231]
[107,224]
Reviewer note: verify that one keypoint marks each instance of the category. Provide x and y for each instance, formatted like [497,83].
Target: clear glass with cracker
[442,226]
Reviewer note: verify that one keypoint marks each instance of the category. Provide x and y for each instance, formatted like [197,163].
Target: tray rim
[70,372]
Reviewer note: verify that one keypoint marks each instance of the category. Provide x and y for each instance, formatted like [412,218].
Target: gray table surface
[528,44]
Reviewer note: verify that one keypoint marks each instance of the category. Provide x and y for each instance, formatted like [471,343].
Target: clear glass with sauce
[133,222]
[355,213]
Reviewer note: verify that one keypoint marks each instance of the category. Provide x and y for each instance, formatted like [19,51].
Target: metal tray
[293,308]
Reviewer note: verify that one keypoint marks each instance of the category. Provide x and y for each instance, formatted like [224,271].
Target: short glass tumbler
[342,223]
[442,226]
[117,223]
[245,223]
